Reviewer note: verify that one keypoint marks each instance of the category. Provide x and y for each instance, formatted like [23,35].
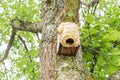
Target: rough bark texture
[54,66]
[26,26]
[115,76]
[50,15]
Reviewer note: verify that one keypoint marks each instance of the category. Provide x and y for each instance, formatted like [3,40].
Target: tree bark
[26,26]
[115,76]
[52,65]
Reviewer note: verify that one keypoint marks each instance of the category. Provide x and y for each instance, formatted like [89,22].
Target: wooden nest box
[68,39]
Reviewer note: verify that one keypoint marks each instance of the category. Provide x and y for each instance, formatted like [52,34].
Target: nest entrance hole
[69,41]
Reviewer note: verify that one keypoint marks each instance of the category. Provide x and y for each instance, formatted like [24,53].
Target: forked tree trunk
[52,65]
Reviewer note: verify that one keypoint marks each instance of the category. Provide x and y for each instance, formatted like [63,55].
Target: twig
[5,71]
[23,41]
[9,45]
[37,36]
[91,4]
[95,6]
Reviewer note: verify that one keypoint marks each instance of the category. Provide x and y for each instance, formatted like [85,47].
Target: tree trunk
[54,66]
[115,76]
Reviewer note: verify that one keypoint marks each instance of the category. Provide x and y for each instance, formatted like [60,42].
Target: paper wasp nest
[68,34]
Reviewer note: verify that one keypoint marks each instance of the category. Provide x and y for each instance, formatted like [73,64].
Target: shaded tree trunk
[54,66]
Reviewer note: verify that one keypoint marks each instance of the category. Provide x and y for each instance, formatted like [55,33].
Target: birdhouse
[68,39]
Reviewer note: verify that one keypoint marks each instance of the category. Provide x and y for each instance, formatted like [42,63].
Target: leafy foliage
[100,38]
[22,63]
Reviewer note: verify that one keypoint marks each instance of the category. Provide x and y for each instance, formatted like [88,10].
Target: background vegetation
[99,35]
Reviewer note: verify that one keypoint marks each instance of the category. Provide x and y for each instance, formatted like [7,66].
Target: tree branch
[5,71]
[26,26]
[37,36]
[9,44]
[23,41]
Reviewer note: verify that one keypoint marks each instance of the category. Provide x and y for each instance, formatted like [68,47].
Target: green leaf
[90,18]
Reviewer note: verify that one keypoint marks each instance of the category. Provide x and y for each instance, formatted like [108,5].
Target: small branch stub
[68,39]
